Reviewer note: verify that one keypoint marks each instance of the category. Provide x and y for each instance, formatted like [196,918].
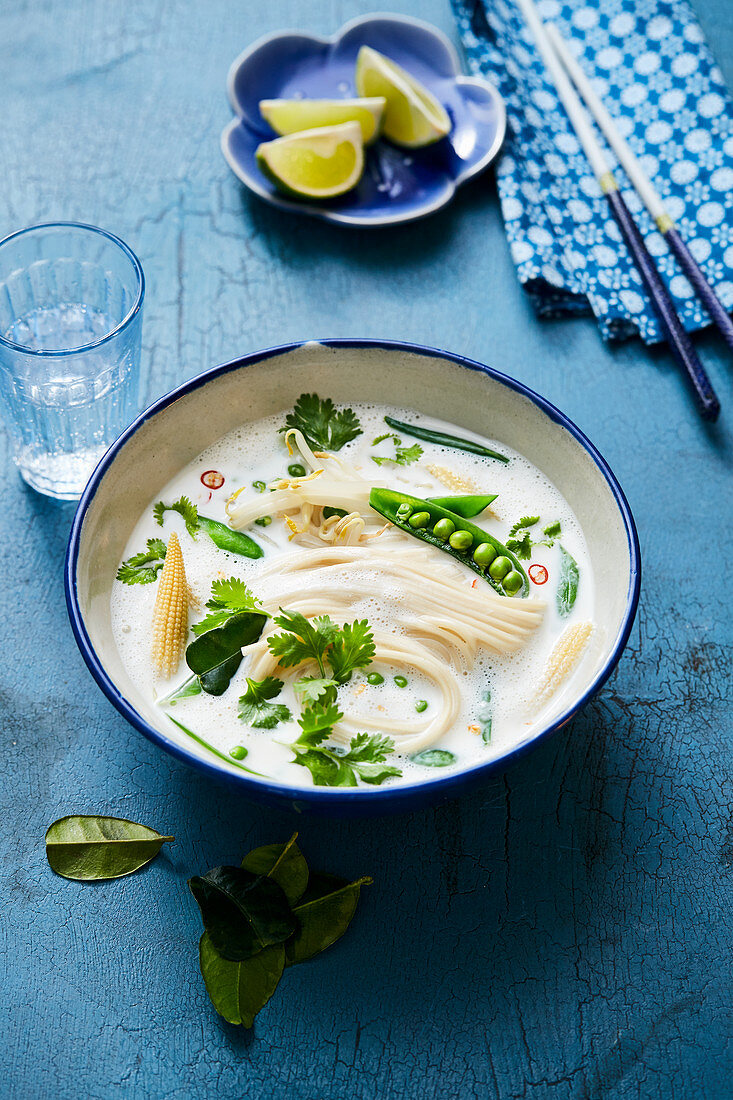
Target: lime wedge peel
[413,117]
[315,164]
[289,116]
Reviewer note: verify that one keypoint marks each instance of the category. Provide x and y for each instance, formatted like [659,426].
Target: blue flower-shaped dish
[398,185]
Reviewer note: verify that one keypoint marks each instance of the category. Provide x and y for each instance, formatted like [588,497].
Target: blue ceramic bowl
[398,185]
[180,425]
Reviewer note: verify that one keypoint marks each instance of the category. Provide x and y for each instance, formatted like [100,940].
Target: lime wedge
[413,117]
[288,116]
[315,164]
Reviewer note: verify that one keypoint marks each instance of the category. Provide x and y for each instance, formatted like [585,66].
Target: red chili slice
[538,574]
[212,479]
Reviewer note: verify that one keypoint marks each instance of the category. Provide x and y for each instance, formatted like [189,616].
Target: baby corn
[565,655]
[170,615]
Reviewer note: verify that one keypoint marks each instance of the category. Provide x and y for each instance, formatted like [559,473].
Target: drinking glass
[71,306]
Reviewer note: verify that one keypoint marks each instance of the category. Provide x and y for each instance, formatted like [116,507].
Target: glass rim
[126,320]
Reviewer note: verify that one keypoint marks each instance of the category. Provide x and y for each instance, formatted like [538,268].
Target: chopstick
[643,185]
[678,339]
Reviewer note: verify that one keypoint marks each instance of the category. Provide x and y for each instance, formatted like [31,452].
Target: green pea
[461,540]
[512,582]
[264,521]
[419,520]
[500,567]
[404,511]
[259,486]
[401,681]
[375,679]
[421,705]
[443,529]
[296,470]
[238,752]
[484,554]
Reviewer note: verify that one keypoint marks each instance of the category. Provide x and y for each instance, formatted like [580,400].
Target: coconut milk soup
[355,597]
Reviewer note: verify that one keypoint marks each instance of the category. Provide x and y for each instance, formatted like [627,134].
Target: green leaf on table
[255,707]
[567,588]
[242,912]
[323,425]
[143,568]
[228,597]
[86,847]
[282,862]
[324,913]
[216,655]
[238,990]
[185,508]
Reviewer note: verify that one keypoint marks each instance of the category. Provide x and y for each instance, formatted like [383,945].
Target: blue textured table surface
[563,934]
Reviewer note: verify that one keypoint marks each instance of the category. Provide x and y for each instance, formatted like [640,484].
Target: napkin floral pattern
[651,66]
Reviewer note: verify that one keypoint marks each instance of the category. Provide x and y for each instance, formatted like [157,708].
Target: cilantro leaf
[255,708]
[403,456]
[321,423]
[185,508]
[521,547]
[143,568]
[304,639]
[385,435]
[553,532]
[311,688]
[332,767]
[352,647]
[318,719]
[228,597]
[525,521]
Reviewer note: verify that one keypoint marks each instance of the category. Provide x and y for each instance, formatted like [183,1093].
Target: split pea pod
[443,440]
[465,506]
[456,536]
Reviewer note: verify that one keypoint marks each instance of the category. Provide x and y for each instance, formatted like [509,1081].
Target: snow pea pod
[465,506]
[236,542]
[463,540]
[443,440]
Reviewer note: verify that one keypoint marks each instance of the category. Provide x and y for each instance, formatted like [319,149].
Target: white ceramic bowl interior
[179,427]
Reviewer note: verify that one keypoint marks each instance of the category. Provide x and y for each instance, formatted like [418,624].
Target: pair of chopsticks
[565,72]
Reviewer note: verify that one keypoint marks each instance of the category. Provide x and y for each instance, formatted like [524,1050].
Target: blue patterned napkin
[652,68]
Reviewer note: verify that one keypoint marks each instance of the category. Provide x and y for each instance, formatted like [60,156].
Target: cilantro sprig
[334,767]
[143,568]
[520,542]
[228,597]
[255,707]
[344,648]
[403,456]
[185,508]
[323,425]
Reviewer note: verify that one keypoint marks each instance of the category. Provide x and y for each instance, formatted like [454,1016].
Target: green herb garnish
[335,767]
[143,568]
[86,847]
[403,456]
[567,589]
[321,423]
[228,597]
[223,537]
[321,640]
[520,541]
[255,707]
